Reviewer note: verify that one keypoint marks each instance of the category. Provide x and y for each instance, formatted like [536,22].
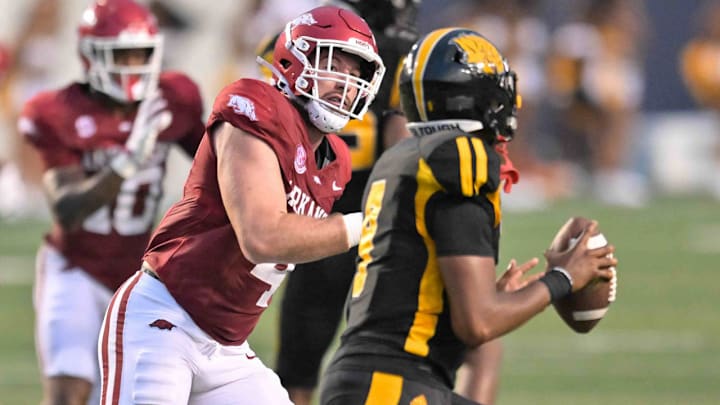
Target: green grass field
[658,344]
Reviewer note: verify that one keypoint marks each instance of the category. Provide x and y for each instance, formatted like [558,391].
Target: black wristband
[558,283]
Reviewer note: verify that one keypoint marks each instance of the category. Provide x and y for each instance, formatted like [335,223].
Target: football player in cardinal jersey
[315,294]
[257,200]
[104,145]
[424,291]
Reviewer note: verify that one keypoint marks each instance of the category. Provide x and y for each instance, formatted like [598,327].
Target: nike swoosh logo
[335,187]
[249,357]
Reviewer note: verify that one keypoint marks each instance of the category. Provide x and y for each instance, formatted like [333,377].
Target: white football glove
[151,119]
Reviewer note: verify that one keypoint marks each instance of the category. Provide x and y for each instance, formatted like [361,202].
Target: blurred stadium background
[659,343]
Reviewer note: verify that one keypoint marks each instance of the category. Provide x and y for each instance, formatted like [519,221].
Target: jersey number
[272,274]
[126,219]
[370,224]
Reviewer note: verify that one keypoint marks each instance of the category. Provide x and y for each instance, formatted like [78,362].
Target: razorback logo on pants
[161,324]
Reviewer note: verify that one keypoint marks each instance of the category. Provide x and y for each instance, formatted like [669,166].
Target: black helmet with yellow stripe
[456,78]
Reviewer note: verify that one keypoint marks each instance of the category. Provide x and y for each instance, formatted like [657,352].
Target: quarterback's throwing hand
[151,119]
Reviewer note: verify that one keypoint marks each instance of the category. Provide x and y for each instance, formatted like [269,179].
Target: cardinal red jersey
[195,251]
[73,126]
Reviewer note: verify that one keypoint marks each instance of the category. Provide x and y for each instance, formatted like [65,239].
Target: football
[583,309]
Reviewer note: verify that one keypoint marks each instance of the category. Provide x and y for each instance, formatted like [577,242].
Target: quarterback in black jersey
[424,291]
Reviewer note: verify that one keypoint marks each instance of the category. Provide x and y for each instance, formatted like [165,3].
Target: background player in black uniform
[425,290]
[312,305]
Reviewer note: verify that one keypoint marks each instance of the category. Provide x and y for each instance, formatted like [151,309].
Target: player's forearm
[478,321]
[72,203]
[296,239]
[512,310]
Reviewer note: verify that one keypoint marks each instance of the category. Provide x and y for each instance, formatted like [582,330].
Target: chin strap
[323,119]
[509,175]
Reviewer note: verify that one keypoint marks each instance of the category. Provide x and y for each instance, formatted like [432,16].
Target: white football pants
[151,352]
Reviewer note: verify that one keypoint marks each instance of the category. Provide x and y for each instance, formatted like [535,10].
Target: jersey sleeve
[465,166]
[37,130]
[186,104]
[247,105]
[460,226]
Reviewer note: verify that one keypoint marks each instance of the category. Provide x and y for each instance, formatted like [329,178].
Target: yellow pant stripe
[385,389]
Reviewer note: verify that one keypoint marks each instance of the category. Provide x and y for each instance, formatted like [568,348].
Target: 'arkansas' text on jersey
[303,204]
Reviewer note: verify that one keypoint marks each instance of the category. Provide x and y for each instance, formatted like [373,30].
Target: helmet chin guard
[325,120]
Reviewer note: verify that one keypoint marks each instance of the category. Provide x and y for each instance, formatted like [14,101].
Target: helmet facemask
[318,67]
[499,111]
[124,83]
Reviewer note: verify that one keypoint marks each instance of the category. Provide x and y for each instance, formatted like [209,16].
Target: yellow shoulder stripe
[480,164]
[472,175]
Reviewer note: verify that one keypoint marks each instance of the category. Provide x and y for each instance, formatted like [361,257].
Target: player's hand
[582,263]
[513,280]
[151,119]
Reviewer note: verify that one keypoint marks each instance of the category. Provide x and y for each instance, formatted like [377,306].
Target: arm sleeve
[460,226]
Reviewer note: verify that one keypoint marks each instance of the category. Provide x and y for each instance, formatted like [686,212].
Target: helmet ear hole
[285,63]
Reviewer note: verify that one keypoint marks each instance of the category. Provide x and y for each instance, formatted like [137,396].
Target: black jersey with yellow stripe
[398,305]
